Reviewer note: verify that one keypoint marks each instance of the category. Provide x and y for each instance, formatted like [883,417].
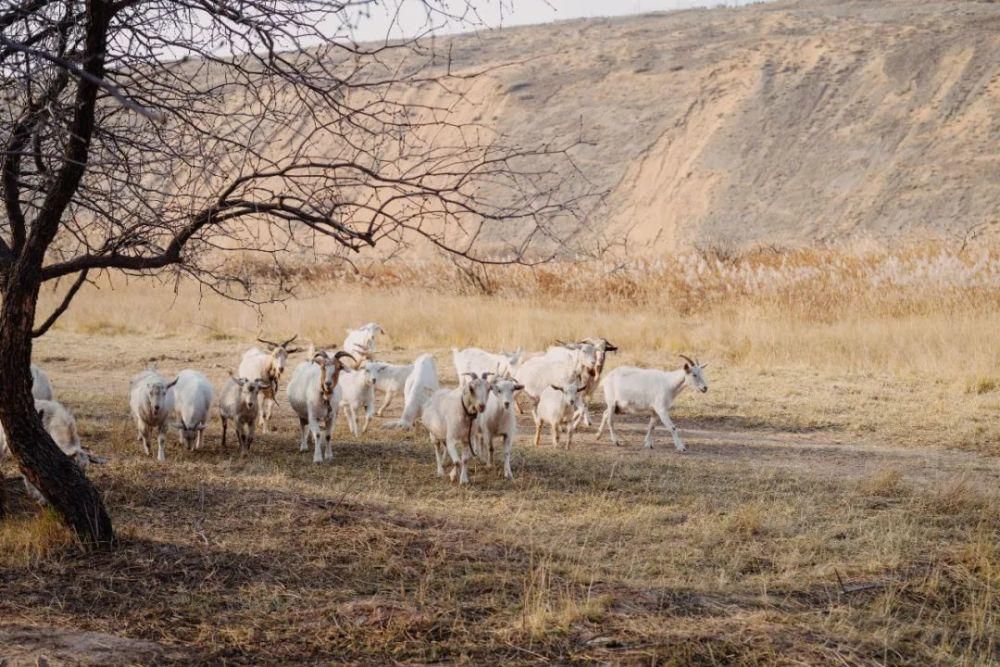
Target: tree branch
[74,69]
[19,138]
[57,313]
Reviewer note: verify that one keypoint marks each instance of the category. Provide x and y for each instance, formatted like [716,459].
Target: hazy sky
[399,18]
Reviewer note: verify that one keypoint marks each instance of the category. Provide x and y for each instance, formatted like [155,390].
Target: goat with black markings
[312,396]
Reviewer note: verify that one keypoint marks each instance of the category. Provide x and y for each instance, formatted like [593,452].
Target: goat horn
[688,359]
[268,342]
[290,340]
[339,355]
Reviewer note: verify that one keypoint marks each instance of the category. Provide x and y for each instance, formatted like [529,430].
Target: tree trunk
[40,460]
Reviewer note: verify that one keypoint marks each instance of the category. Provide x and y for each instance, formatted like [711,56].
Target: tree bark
[40,460]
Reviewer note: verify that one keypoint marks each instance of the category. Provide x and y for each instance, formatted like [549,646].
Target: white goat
[239,402]
[151,398]
[267,367]
[41,387]
[646,391]
[61,426]
[477,361]
[311,394]
[450,416]
[193,396]
[390,379]
[557,406]
[556,367]
[592,355]
[500,419]
[420,386]
[360,342]
[356,393]
[602,346]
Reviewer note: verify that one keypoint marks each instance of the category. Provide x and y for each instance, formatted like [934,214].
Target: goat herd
[462,422]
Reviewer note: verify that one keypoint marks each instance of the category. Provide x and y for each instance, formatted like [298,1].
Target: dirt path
[24,646]
[821,454]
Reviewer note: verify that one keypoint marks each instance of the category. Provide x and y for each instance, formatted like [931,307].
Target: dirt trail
[23,646]
[822,454]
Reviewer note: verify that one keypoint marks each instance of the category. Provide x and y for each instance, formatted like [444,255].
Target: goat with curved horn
[313,395]
[267,367]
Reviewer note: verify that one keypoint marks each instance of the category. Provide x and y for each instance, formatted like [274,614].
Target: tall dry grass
[923,308]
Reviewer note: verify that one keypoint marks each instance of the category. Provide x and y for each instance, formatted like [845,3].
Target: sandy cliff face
[776,123]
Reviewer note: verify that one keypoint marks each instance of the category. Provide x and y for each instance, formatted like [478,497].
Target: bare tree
[148,135]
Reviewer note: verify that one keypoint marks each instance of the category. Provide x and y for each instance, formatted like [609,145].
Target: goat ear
[687,367]
[518,387]
[41,413]
[704,366]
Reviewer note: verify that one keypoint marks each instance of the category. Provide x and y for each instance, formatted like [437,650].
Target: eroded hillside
[775,123]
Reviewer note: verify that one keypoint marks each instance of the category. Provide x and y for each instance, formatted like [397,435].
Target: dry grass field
[837,503]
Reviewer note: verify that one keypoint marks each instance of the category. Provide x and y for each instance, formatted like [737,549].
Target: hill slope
[776,123]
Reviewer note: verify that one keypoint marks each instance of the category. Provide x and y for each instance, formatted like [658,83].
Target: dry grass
[806,460]
[30,538]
